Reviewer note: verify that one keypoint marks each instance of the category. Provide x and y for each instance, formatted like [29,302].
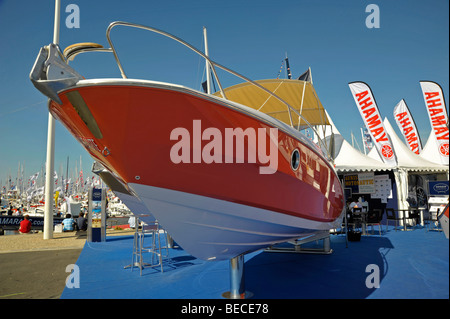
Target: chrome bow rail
[69,54]
[211,63]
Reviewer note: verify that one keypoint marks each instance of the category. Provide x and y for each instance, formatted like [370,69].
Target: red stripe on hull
[136,123]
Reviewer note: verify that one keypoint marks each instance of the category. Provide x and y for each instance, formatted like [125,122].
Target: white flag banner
[371,116]
[408,127]
[437,112]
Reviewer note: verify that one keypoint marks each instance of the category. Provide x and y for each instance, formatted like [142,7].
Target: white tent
[349,159]
[430,151]
[407,161]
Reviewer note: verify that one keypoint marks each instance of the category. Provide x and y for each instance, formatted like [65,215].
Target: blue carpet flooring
[412,265]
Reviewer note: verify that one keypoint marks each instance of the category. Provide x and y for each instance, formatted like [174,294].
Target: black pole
[288,69]
[345,215]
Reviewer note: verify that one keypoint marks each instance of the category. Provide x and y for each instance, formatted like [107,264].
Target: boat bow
[215,201]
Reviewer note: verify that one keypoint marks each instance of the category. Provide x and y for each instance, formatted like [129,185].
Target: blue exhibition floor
[412,265]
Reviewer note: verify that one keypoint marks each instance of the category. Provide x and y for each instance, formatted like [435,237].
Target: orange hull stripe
[136,123]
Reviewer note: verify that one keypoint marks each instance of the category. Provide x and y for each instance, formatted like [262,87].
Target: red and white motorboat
[222,177]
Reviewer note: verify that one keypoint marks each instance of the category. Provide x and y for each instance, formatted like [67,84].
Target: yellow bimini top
[290,91]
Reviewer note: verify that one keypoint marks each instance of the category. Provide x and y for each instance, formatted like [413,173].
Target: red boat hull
[136,122]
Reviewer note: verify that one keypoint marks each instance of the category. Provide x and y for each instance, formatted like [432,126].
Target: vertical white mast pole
[18,179]
[364,143]
[81,181]
[49,166]
[56,24]
[208,73]
[301,105]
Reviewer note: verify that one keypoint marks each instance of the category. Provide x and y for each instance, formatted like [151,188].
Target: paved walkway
[35,274]
[34,268]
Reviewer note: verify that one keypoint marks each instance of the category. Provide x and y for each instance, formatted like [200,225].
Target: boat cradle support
[298,249]
[237,280]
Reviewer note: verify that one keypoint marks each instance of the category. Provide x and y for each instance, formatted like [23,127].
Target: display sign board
[13,222]
[437,188]
[371,116]
[408,127]
[97,215]
[437,112]
[383,187]
[360,183]
[96,208]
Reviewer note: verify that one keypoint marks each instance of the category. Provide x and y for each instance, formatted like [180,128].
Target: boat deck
[412,265]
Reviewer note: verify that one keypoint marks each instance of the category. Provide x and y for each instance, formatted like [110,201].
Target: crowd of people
[69,223]
[10,211]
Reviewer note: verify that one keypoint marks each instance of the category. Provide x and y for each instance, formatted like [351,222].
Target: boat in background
[116,207]
[222,177]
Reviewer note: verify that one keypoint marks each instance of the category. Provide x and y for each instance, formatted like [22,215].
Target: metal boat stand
[297,246]
[237,280]
[137,259]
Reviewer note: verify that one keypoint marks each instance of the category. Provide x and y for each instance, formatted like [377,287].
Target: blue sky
[250,37]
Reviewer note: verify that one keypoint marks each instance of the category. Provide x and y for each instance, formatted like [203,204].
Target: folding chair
[391,215]
[433,220]
[374,217]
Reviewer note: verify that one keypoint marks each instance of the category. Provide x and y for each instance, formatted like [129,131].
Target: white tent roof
[430,151]
[405,157]
[350,159]
[347,158]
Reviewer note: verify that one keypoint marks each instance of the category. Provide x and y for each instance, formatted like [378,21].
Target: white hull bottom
[444,224]
[135,205]
[213,229]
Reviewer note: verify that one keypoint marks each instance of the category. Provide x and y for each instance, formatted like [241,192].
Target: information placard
[360,183]
[97,215]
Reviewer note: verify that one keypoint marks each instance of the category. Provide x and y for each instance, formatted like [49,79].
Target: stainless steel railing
[212,64]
